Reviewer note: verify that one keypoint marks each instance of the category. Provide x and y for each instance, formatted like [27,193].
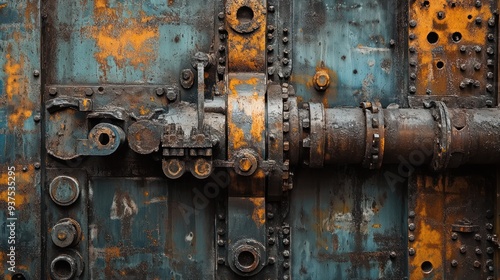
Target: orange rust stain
[22,181]
[3,5]
[127,42]
[259,211]
[376,226]
[325,97]
[252,106]
[143,111]
[16,86]
[111,253]
[247,52]
[456,20]
[237,136]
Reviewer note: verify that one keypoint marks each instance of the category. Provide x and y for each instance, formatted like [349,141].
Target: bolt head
[411,251]
[393,255]
[221,261]
[36,73]
[245,164]
[159,91]
[454,263]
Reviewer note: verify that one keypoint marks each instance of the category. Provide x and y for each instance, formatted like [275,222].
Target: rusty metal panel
[249,139]
[20,163]
[450,225]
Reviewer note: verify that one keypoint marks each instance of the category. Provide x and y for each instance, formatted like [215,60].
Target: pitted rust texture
[452,49]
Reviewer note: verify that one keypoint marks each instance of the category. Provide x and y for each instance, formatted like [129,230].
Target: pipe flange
[441,156]
[246,257]
[375,135]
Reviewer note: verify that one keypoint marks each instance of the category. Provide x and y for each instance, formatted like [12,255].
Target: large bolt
[245,164]
[321,80]
[171,93]
[64,190]
[65,233]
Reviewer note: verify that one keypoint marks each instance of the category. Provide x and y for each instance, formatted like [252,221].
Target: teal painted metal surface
[20,139]
[352,41]
[346,223]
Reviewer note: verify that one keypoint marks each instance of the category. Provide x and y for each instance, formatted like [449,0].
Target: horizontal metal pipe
[445,138]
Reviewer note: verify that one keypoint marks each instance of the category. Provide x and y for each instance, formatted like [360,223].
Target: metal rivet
[271,260]
[454,263]
[477,66]
[440,15]
[413,76]
[285,40]
[463,249]
[392,255]
[159,91]
[412,36]
[490,250]
[491,37]
[478,4]
[271,241]
[221,261]
[36,73]
[411,226]
[477,264]
[413,23]
[489,226]
[477,237]
[479,20]
[411,214]
[413,89]
[52,91]
[411,237]
[221,15]
[478,251]
[412,49]
[37,165]
[286,265]
[477,49]
[463,67]
[271,9]
[286,241]
[489,87]
[490,50]
[454,236]
[411,251]
[36,118]
[463,48]
[220,242]
[286,253]
[491,22]
[428,91]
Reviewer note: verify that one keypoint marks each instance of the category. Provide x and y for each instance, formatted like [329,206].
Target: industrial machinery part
[250,139]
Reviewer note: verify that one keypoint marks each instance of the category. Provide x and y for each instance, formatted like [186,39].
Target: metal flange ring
[375,134]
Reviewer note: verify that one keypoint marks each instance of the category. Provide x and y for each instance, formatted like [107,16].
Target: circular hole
[355,71]
[244,14]
[62,268]
[104,139]
[432,37]
[100,89]
[456,37]
[426,267]
[246,259]
[18,276]
[469,16]
[426,4]
[440,64]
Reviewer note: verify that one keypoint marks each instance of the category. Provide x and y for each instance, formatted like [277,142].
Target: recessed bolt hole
[246,258]
[100,89]
[426,267]
[440,64]
[244,14]
[426,4]
[104,139]
[18,276]
[456,37]
[432,37]
[62,268]
[469,16]
[355,71]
